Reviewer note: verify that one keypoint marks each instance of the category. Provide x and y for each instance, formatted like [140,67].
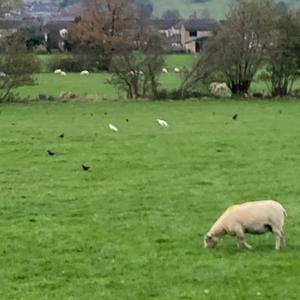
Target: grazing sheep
[251,217]
[216,87]
[2,74]
[164,70]
[63,73]
[85,73]
[176,70]
[58,71]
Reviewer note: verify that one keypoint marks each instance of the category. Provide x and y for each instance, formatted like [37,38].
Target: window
[193,33]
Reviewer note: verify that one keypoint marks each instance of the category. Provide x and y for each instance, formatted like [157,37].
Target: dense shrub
[75,63]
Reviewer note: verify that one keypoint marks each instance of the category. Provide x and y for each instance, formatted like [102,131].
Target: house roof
[57,24]
[200,24]
[163,24]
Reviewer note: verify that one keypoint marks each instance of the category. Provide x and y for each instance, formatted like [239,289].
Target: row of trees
[255,37]
[17,66]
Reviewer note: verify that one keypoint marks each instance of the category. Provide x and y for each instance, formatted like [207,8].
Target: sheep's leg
[241,240]
[279,239]
[247,245]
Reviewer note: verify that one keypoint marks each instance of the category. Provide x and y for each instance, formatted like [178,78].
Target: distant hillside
[216,8]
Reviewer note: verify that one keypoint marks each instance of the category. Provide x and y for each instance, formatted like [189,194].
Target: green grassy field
[97,85]
[216,8]
[132,226]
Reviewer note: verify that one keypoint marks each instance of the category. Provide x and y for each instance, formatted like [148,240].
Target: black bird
[85,167]
[61,136]
[235,117]
[127,120]
[51,153]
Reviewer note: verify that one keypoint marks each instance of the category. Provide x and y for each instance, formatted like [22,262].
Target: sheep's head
[210,241]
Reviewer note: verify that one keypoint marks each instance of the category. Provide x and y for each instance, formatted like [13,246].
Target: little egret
[162,123]
[113,128]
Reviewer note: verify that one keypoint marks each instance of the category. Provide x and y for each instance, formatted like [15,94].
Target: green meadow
[131,227]
[97,85]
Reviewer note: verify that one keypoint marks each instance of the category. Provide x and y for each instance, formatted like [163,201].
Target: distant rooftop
[200,24]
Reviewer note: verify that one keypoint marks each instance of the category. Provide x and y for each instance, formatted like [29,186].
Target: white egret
[113,128]
[162,123]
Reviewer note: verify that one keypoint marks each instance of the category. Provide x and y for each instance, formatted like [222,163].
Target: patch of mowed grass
[180,60]
[171,60]
[53,85]
[132,227]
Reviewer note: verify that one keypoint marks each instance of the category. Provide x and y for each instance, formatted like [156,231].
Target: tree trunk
[240,89]
[280,91]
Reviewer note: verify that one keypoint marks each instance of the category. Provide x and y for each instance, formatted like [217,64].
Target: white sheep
[164,70]
[176,70]
[251,217]
[63,73]
[85,73]
[2,74]
[216,87]
[58,71]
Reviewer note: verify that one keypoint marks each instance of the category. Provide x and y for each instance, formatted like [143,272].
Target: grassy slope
[216,8]
[132,227]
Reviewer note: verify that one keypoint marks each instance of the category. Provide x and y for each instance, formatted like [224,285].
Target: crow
[51,153]
[235,117]
[85,167]
[127,120]
[61,136]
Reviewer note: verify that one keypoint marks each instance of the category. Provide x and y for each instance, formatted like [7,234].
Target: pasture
[131,227]
[96,85]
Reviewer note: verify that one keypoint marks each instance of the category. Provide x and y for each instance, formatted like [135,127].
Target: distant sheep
[2,74]
[164,70]
[58,71]
[176,70]
[63,73]
[251,217]
[216,87]
[85,73]
[63,33]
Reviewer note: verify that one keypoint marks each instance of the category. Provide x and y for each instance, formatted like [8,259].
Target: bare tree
[282,68]
[136,72]
[105,27]
[17,67]
[8,5]
[239,48]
